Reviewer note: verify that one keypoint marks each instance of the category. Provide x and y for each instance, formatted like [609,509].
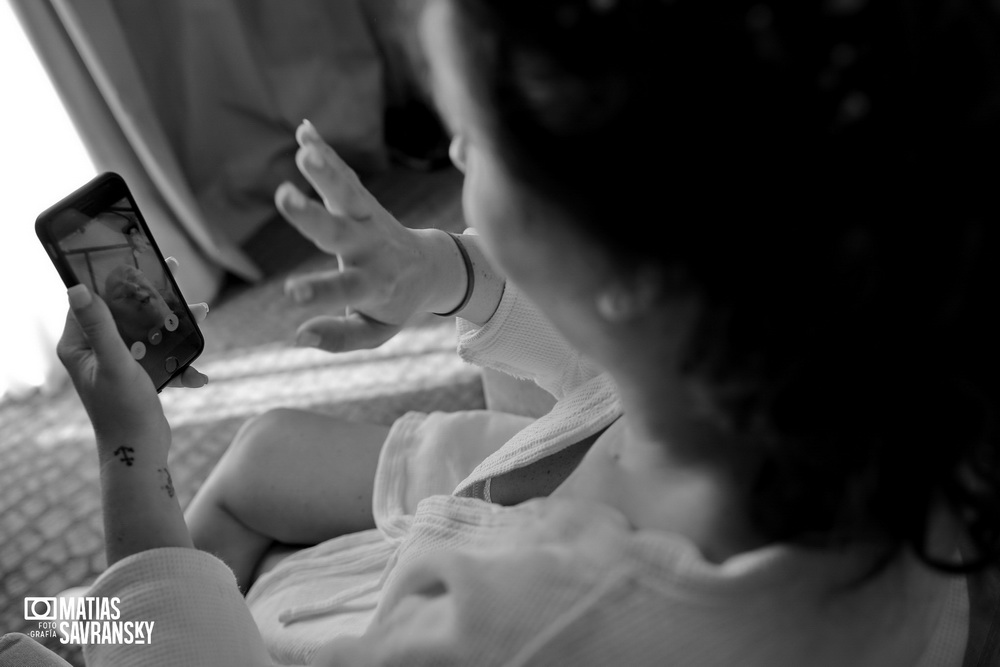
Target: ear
[630,295]
[457,151]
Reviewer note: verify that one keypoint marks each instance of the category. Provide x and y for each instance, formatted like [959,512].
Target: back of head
[822,176]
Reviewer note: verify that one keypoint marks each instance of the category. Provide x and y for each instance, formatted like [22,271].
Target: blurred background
[195,103]
[43,160]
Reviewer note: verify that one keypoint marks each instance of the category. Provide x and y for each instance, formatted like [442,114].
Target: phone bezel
[99,194]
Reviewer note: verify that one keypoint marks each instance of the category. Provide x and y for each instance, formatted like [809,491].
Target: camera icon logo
[40,609]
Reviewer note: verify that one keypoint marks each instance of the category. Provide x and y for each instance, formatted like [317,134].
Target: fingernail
[306,133]
[204,304]
[310,128]
[307,339]
[313,157]
[79,296]
[204,378]
[295,198]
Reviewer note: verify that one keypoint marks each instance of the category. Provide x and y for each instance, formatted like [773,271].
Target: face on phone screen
[108,251]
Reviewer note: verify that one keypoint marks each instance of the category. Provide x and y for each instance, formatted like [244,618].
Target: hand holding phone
[97,237]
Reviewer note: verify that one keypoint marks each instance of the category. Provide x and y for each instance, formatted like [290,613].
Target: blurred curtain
[195,103]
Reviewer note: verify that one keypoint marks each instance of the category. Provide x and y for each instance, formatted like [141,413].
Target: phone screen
[100,240]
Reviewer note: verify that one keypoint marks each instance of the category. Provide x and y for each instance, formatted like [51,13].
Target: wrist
[140,507]
[447,277]
[486,285]
[149,450]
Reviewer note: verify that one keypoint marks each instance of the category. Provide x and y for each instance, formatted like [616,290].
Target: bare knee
[259,434]
[258,446]
[246,458]
[295,475]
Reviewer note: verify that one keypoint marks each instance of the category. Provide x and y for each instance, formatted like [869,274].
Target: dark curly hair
[823,175]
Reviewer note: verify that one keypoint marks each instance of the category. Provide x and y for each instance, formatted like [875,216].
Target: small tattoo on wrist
[124,454]
[168,485]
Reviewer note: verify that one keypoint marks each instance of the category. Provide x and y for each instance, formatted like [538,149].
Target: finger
[342,334]
[199,311]
[306,134]
[333,179]
[316,223]
[338,289]
[72,346]
[97,328]
[190,378]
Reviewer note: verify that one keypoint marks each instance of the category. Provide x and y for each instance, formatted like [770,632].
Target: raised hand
[387,272]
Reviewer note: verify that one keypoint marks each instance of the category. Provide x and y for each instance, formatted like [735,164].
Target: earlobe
[613,304]
[626,299]
[456,151]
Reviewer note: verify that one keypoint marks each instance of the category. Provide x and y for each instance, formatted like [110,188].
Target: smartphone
[98,237]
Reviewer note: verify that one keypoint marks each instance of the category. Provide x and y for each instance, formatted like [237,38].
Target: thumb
[97,326]
[342,334]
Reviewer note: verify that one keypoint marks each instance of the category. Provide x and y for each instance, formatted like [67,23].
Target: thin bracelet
[470,274]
